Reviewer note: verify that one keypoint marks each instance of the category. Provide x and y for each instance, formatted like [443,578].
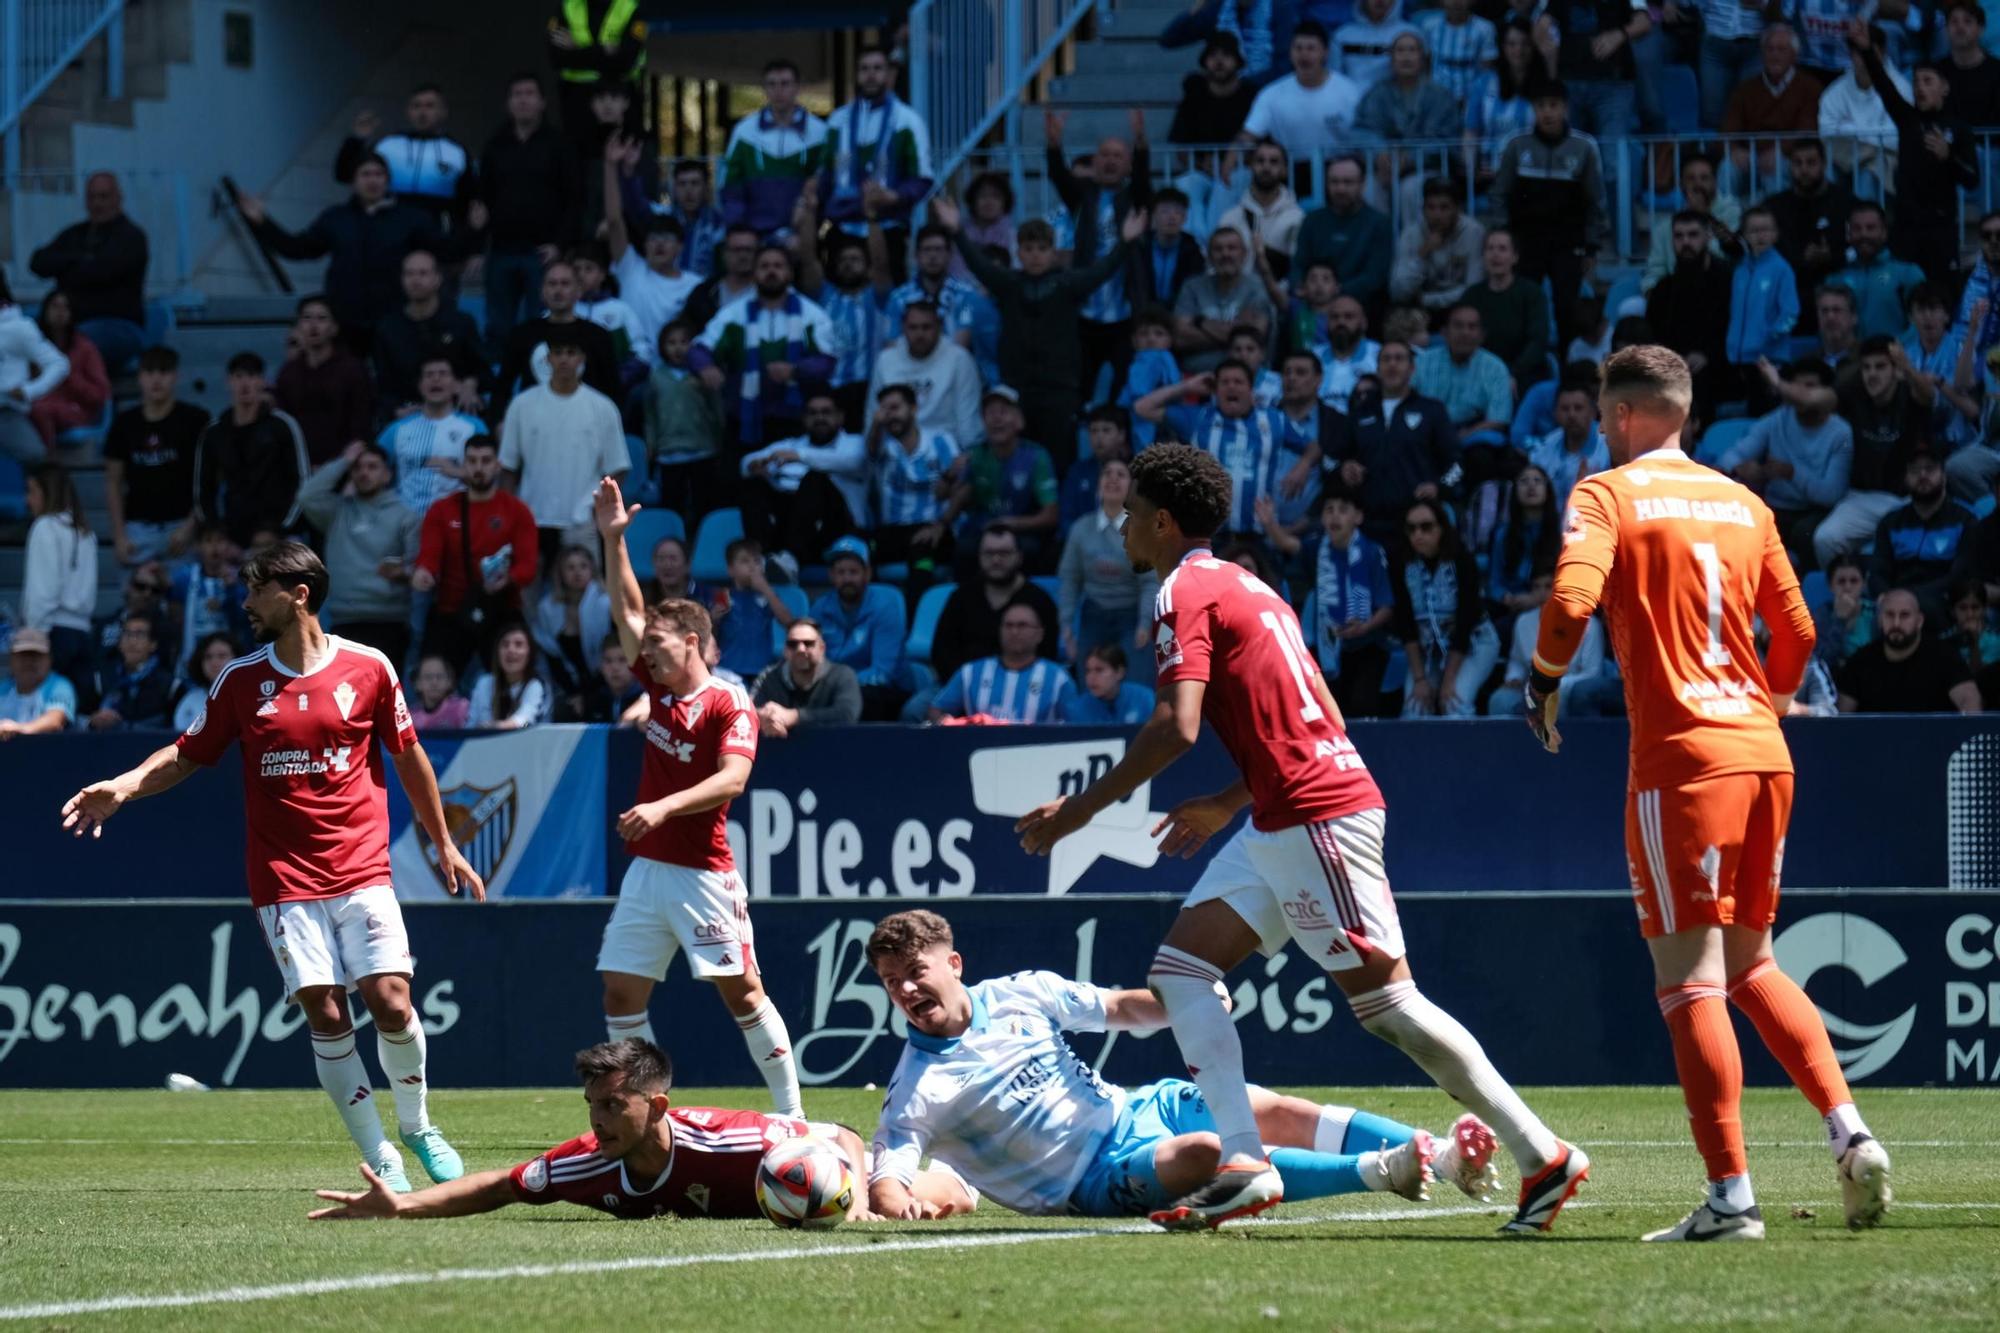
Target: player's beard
[266,630]
[1900,640]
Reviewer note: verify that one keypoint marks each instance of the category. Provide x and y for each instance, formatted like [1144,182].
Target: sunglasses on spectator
[801,643]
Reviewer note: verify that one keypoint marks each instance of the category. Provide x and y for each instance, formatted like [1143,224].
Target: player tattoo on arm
[479,1193]
[413,766]
[162,770]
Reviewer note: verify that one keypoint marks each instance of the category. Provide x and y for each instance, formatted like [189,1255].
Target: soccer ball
[805,1182]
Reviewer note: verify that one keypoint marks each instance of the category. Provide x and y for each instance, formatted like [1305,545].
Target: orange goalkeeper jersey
[1683,559]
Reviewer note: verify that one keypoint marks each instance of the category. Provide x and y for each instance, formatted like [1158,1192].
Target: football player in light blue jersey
[989,1086]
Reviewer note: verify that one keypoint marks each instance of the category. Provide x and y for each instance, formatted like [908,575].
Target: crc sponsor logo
[1306,912]
[715,931]
[215,1023]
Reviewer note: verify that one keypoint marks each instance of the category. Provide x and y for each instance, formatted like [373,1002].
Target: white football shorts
[337,941]
[663,909]
[1322,885]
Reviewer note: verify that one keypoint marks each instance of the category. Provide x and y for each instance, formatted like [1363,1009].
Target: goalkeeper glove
[1539,696]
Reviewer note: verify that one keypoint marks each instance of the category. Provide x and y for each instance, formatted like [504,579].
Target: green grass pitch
[133,1197]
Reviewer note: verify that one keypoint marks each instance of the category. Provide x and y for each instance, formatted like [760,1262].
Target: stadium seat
[1814,588]
[1721,437]
[160,323]
[91,437]
[1680,100]
[923,625]
[1049,584]
[475,307]
[1984,505]
[795,600]
[710,560]
[639,481]
[13,490]
[1621,291]
[645,533]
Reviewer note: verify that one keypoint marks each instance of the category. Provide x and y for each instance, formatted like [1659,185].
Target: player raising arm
[643,1157]
[309,708]
[682,890]
[1683,560]
[1309,867]
[991,1088]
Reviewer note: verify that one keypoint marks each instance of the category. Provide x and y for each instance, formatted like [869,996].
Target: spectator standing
[1763,300]
[1854,123]
[878,155]
[1779,99]
[100,264]
[650,277]
[1041,348]
[683,426]
[1100,599]
[1215,102]
[748,612]
[1729,53]
[1258,33]
[989,221]
[1406,105]
[1499,106]
[557,441]
[1348,576]
[597,47]
[691,206]
[210,656]
[324,388]
[35,701]
[852,285]
[1811,217]
[1881,283]
[1549,194]
[371,546]
[526,360]
[1313,431]
[1689,309]
[1120,183]
[1401,447]
[803,689]
[1905,670]
[1462,45]
[1587,46]
[802,493]
[968,627]
[1107,697]
[149,458]
[1010,481]
[59,573]
[428,445]
[251,460]
[364,241]
[435,703]
[79,400]
[957,302]
[734,276]
[1440,617]
[423,328]
[1362,46]
[1164,263]
[531,194]
[863,624]
[1248,440]
[764,351]
[1845,621]
[1798,457]
[428,168]
[1016,685]
[771,155]
[1513,313]
[1935,156]
[595,302]
[1311,106]
[916,496]
[937,371]
[30,366]
[1440,255]
[1721,215]
[206,593]
[476,557]
[1212,306]
[1357,239]
[134,688]
[512,694]
[1973,75]
[1889,408]
[1927,544]
[1267,216]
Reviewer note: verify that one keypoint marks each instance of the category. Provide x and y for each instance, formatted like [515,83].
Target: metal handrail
[39,39]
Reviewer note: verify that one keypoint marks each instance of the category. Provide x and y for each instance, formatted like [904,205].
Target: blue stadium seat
[13,490]
[795,600]
[1720,437]
[1621,291]
[645,533]
[1814,588]
[475,306]
[160,323]
[1049,584]
[1984,505]
[710,560]
[639,481]
[923,625]
[1680,100]
[89,437]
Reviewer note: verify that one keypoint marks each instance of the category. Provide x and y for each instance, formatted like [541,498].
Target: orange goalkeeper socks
[1711,1073]
[1792,1029]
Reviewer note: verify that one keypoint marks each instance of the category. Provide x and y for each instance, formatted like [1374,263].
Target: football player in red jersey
[308,708]
[1308,868]
[682,893]
[644,1157]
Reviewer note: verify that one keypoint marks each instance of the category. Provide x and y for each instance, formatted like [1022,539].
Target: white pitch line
[652,1263]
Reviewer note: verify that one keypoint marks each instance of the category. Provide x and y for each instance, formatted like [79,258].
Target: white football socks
[617,1027]
[1330,1133]
[402,1055]
[345,1079]
[771,1049]
[1400,1015]
[1731,1194]
[1843,1126]
[1191,991]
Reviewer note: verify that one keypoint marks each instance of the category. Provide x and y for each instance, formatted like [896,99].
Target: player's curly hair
[1187,483]
[645,1066]
[907,934]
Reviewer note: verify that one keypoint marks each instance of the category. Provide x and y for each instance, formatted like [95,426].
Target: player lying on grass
[990,1087]
[643,1157]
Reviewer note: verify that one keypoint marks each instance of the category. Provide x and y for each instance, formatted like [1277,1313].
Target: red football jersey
[685,742]
[1218,623]
[313,796]
[711,1172]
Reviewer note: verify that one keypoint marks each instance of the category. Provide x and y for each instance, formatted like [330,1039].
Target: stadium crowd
[923,406]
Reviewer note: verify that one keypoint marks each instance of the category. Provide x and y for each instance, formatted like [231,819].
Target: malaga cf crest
[481,820]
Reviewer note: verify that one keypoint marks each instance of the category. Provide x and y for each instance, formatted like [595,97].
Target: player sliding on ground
[1309,865]
[308,708]
[989,1086]
[1683,560]
[682,891]
[644,1157]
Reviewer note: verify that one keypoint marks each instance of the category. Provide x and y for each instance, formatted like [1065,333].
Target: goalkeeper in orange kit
[1683,559]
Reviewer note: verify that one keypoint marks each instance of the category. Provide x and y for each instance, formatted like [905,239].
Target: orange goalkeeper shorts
[1708,853]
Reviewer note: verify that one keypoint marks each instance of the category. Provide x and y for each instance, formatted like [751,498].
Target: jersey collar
[333,647]
[1198,553]
[923,1041]
[1665,451]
